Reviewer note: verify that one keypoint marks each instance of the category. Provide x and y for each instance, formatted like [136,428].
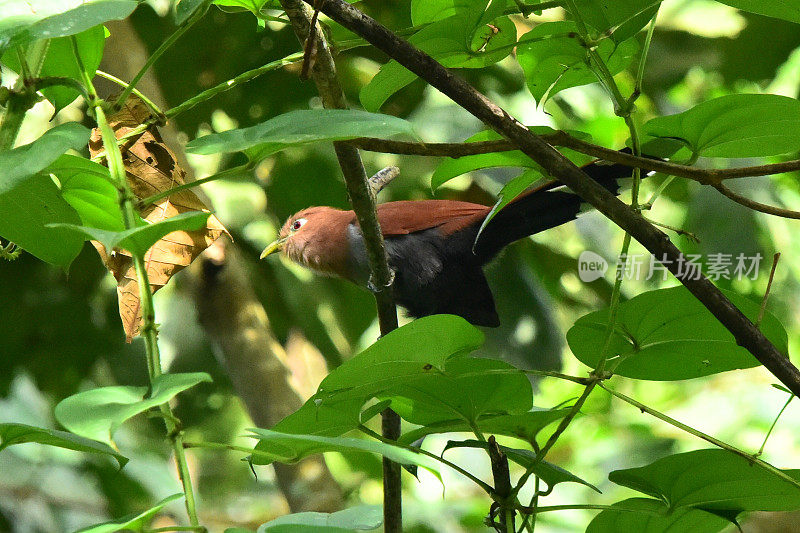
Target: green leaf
[736,125]
[553,59]
[453,167]
[524,426]
[186,9]
[361,518]
[87,187]
[30,201]
[291,447]
[466,388]
[511,190]
[135,522]
[28,21]
[714,480]
[11,434]
[476,35]
[23,162]
[302,127]
[668,334]
[417,348]
[547,472]
[786,10]
[59,61]
[644,515]
[139,240]
[97,413]
[621,19]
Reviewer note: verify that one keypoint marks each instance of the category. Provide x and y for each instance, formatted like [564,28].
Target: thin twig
[560,138]
[757,206]
[763,309]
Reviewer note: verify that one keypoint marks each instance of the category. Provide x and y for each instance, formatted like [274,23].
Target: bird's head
[315,237]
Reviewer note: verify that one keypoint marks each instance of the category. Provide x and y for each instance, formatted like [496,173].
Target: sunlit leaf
[736,125]
[301,127]
[474,36]
[27,21]
[622,19]
[97,413]
[668,334]
[87,187]
[644,515]
[291,447]
[786,10]
[139,240]
[134,522]
[553,59]
[11,434]
[714,480]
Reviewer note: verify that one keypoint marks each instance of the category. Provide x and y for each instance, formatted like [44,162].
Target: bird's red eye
[297,224]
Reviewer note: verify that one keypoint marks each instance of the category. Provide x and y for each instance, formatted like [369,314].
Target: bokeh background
[60,331]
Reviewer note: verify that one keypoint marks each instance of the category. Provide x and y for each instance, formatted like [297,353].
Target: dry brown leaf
[151,168]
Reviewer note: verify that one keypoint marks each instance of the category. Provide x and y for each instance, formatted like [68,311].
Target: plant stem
[699,434]
[188,23]
[149,103]
[235,171]
[774,422]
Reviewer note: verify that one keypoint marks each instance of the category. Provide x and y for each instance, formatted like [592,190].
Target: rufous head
[315,237]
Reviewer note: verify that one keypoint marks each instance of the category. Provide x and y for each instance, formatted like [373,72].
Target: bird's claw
[373,287]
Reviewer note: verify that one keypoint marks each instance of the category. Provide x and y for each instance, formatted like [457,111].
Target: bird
[435,248]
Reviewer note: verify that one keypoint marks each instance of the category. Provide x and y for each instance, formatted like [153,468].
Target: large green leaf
[25,161]
[780,9]
[668,334]
[291,447]
[46,19]
[524,426]
[97,413]
[466,388]
[30,201]
[11,434]
[644,515]
[302,127]
[547,472]
[361,518]
[132,522]
[714,480]
[553,59]
[474,36]
[736,125]
[59,61]
[415,349]
[622,19]
[87,187]
[139,240]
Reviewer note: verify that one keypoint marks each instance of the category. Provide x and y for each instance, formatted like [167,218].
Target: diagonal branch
[421,64]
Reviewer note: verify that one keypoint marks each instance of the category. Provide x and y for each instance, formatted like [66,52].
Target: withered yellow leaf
[151,168]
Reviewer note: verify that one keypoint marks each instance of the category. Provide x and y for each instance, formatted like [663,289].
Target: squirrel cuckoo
[431,244]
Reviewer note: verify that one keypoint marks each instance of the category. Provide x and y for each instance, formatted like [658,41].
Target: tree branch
[702,175]
[421,64]
[323,73]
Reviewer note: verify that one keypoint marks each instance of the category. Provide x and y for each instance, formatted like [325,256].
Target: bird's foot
[375,287]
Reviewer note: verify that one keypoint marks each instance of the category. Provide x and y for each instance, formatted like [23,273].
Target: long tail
[542,209]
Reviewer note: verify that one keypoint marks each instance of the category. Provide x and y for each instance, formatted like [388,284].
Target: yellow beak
[276,246]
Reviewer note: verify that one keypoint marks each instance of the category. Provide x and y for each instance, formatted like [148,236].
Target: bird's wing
[411,216]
